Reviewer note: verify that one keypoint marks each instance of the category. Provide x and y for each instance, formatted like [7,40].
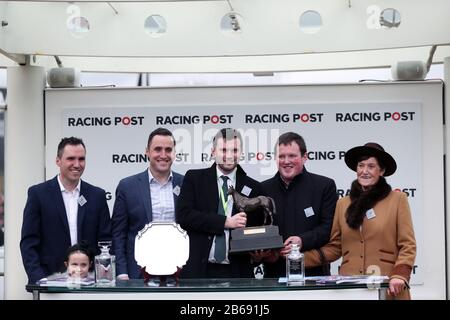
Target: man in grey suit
[145,197]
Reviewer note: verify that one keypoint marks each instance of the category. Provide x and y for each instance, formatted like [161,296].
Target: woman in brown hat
[372,227]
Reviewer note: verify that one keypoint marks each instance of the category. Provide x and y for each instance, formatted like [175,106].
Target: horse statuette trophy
[255,238]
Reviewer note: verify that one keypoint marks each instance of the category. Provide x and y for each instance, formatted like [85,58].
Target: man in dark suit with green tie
[207,213]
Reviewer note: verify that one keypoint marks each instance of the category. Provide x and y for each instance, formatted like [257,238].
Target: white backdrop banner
[116,139]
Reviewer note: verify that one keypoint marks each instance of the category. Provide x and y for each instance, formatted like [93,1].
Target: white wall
[24,126]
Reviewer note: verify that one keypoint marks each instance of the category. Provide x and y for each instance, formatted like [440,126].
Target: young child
[79,260]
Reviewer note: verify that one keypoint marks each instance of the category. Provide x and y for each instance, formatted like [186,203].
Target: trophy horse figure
[245,204]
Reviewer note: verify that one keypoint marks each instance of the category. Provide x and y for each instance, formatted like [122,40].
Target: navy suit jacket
[132,211]
[45,229]
[197,214]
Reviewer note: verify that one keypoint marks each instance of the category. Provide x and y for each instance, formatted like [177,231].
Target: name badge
[309,212]
[370,214]
[176,190]
[246,191]
[82,201]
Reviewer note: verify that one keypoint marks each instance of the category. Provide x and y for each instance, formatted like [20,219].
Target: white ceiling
[269,39]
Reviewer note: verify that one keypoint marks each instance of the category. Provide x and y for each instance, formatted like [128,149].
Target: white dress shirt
[70,199]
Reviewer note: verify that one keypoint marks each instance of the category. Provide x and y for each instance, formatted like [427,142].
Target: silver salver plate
[161,247]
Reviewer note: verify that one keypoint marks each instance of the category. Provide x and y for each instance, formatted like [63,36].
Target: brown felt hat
[371,149]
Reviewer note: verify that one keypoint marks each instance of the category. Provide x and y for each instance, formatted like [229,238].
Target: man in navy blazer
[61,212]
[142,198]
[199,208]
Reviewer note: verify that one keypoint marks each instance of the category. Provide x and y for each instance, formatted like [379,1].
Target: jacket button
[362,241]
[209,237]
[360,271]
[361,256]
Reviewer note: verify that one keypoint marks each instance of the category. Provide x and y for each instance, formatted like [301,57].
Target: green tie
[220,250]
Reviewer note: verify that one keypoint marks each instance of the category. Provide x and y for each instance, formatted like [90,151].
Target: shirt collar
[151,178]
[231,175]
[62,188]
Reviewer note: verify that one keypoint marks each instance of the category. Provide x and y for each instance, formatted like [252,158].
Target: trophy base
[255,238]
[161,280]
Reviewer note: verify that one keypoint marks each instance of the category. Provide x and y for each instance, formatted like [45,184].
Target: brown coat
[383,245]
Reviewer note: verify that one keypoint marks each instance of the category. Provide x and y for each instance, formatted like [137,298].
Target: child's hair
[82,247]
